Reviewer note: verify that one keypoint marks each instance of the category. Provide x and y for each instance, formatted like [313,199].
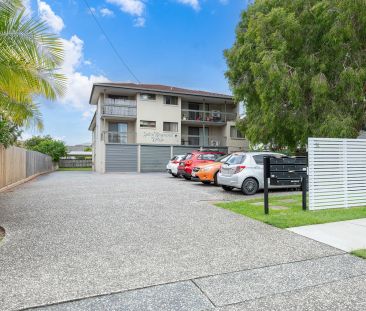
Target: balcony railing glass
[120,107]
[207,116]
[206,141]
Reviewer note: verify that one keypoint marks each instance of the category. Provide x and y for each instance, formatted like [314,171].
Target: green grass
[360,253]
[294,216]
[75,169]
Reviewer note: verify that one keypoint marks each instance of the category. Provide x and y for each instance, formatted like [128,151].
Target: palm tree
[29,60]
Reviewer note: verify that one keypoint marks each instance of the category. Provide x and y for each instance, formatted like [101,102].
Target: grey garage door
[121,158]
[154,158]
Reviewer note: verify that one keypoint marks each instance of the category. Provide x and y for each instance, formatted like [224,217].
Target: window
[148,124]
[147,96]
[170,127]
[171,100]
[235,133]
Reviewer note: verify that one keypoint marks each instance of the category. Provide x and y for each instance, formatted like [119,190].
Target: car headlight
[207,168]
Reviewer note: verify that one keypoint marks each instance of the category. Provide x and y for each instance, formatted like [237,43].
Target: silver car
[244,170]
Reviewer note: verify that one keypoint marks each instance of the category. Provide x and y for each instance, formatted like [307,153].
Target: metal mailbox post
[286,171]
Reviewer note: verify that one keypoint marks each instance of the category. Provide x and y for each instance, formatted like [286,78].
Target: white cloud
[106,12]
[139,22]
[46,14]
[132,7]
[78,85]
[28,7]
[193,3]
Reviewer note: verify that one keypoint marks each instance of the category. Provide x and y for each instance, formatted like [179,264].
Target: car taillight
[174,161]
[239,168]
[188,162]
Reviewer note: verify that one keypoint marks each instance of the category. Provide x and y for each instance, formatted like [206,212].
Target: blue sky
[173,42]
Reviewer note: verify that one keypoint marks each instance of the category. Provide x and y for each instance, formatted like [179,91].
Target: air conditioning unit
[216,115]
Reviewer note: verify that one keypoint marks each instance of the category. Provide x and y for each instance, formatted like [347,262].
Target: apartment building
[138,127]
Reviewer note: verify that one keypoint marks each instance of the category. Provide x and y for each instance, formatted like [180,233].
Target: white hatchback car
[244,170]
[172,166]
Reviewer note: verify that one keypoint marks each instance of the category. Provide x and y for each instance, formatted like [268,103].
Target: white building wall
[157,110]
[100,127]
[235,144]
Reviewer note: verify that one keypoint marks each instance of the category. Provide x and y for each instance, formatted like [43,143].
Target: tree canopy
[300,68]
[29,60]
[9,133]
[47,145]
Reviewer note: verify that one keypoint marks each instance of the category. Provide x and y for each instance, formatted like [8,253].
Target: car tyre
[250,186]
[175,175]
[215,179]
[206,182]
[186,177]
[227,188]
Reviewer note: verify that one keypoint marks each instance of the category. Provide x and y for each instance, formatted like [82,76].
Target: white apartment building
[138,127]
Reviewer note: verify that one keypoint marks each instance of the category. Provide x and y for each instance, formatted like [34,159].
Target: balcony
[203,141]
[119,138]
[119,108]
[207,117]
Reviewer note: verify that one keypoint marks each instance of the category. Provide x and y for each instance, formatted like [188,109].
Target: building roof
[160,89]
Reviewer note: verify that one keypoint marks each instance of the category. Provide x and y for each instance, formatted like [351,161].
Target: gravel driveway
[152,242]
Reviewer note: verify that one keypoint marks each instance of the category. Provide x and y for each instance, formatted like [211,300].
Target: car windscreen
[187,156]
[208,156]
[236,159]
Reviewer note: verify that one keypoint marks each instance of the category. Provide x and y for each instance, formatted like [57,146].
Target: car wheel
[187,177]
[174,175]
[227,188]
[250,186]
[206,182]
[215,180]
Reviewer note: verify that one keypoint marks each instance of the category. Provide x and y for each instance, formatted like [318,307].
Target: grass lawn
[75,169]
[360,253]
[289,212]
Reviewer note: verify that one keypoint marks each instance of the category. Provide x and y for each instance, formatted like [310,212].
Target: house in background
[138,127]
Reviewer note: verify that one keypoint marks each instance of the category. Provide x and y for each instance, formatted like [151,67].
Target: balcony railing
[119,138]
[119,107]
[206,141]
[213,116]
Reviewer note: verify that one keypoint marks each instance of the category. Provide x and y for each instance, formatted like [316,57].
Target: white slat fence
[337,173]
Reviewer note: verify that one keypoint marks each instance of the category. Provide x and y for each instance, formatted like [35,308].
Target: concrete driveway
[85,241]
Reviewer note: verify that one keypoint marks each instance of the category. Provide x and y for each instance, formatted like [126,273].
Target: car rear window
[236,159]
[222,158]
[174,158]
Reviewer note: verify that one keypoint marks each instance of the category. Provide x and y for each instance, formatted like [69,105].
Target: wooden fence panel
[17,164]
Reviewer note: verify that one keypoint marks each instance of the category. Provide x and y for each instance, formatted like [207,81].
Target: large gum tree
[300,68]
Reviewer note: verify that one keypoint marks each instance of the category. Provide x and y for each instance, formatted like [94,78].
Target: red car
[196,158]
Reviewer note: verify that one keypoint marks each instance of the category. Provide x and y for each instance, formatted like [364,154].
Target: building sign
[160,137]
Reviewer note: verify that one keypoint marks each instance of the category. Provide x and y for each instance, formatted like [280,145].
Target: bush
[47,145]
